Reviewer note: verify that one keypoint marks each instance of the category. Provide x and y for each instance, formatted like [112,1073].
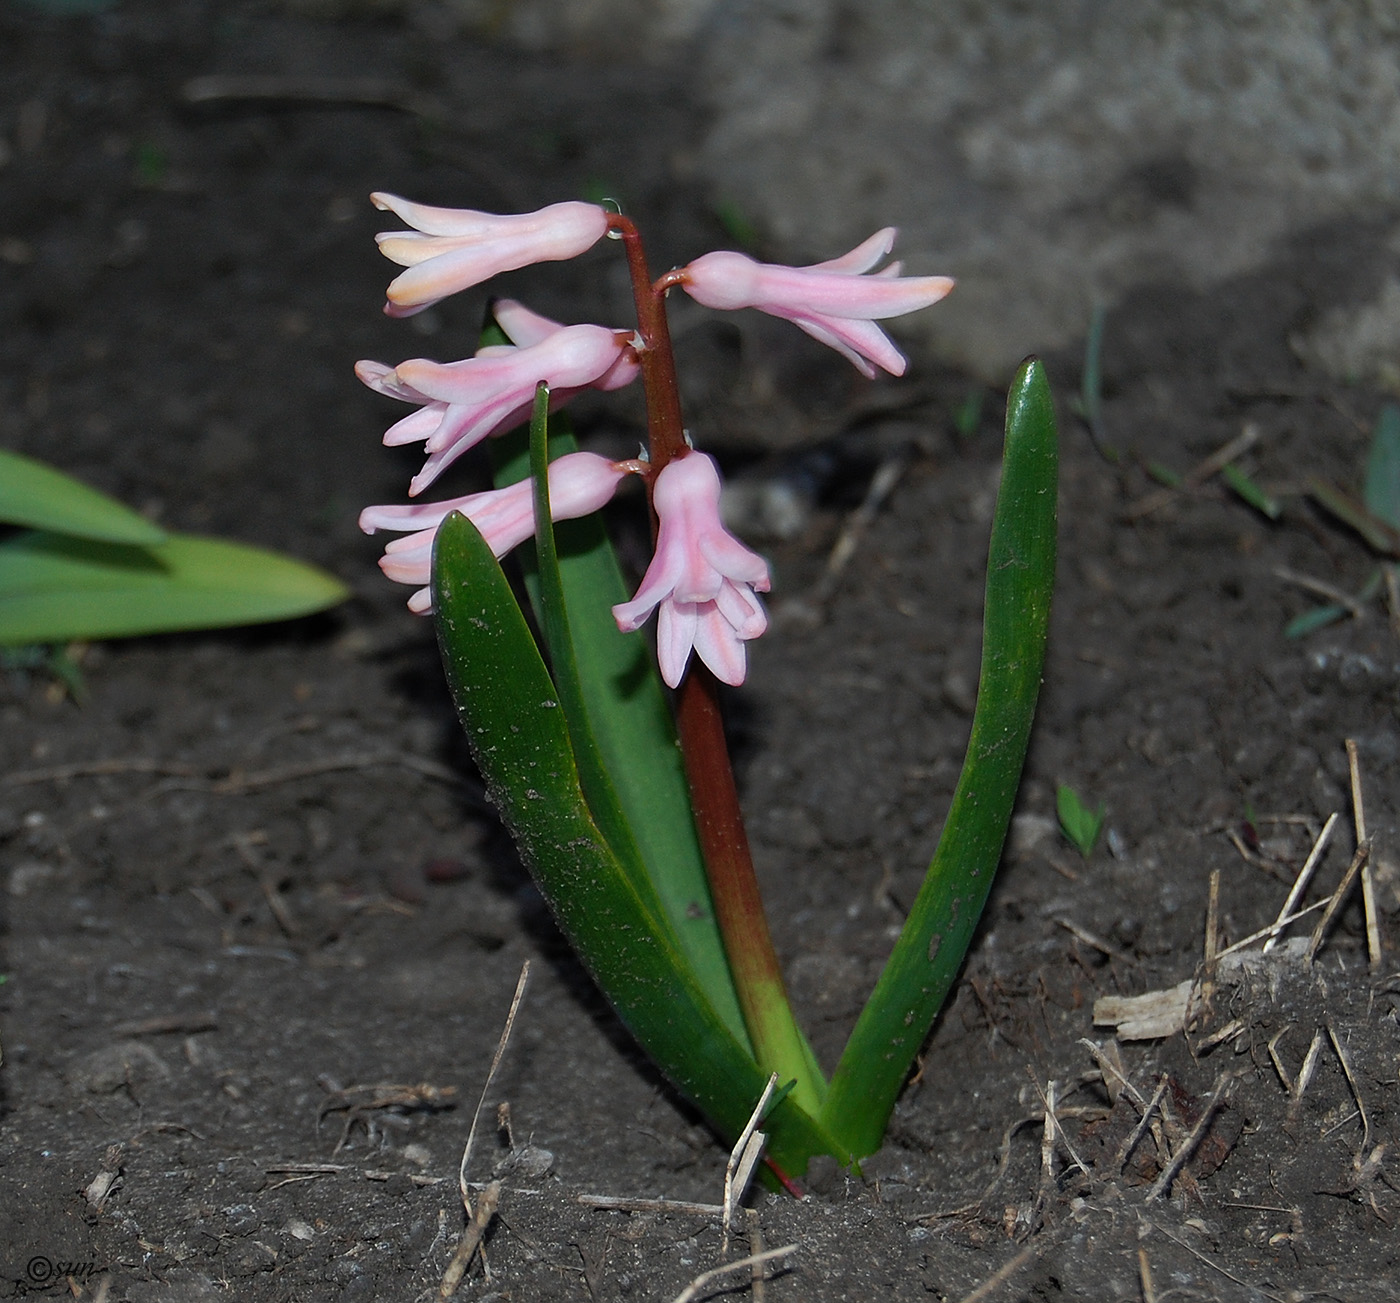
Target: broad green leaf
[37,496]
[1382,493]
[930,949]
[630,721]
[509,707]
[56,588]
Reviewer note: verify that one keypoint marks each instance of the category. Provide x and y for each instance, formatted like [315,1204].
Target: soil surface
[261,932]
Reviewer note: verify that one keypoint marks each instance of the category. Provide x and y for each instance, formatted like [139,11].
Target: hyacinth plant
[619,794]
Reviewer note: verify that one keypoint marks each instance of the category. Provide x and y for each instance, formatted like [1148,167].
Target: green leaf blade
[1248,490]
[1079,822]
[57,588]
[37,496]
[934,941]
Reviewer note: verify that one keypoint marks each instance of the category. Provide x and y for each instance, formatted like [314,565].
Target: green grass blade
[630,719]
[55,588]
[36,496]
[930,950]
[1317,617]
[1248,490]
[510,710]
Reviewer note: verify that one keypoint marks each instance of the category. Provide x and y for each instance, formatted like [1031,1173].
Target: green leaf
[967,416]
[552,608]
[1090,403]
[1245,488]
[37,496]
[1077,821]
[1382,494]
[1318,617]
[930,949]
[55,588]
[629,717]
[510,710]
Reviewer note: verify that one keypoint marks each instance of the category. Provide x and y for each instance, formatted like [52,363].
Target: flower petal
[835,302]
[717,644]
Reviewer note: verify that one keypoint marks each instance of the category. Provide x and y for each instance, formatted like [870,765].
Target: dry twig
[489,1198]
[621,1203]
[1300,883]
[699,1284]
[743,1158]
[1368,885]
[1192,1141]
[1363,853]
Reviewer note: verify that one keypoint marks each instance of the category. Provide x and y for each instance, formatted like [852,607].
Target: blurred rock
[1051,156]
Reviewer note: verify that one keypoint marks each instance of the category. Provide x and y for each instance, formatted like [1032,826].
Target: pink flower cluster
[701,581]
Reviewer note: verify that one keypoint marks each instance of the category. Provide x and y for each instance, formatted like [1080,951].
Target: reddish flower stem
[724,844]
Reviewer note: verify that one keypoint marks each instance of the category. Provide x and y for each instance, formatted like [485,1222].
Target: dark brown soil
[254,869]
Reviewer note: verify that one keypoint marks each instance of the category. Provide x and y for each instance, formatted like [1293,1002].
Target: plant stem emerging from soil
[748,944]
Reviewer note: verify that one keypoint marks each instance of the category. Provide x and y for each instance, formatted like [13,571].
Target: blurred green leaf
[1318,617]
[737,225]
[1382,492]
[1247,490]
[1378,534]
[37,496]
[1077,821]
[967,416]
[151,163]
[1090,400]
[57,588]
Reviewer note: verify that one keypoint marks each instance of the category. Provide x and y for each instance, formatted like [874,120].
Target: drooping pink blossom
[836,302]
[462,403]
[579,483]
[701,581]
[524,328]
[452,249]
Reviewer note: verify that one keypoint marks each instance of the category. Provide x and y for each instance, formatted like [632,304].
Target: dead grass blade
[698,1286]
[480,1218]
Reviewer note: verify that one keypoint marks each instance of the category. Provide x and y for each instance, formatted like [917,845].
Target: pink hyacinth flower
[452,249]
[702,578]
[464,402]
[579,483]
[525,328]
[836,302]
